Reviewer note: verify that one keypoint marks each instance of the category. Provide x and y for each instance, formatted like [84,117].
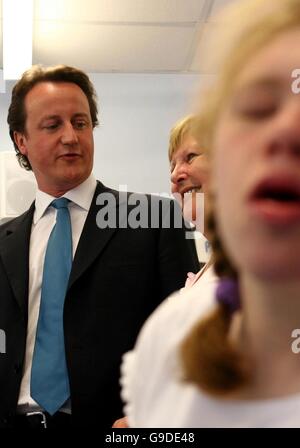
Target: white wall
[136,112]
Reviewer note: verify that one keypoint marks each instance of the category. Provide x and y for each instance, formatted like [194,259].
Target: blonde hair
[209,359]
[182,128]
[250,25]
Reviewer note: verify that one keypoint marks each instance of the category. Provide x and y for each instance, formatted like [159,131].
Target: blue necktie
[49,376]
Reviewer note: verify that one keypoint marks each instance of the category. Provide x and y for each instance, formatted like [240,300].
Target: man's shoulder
[132,195]
[144,202]
[13,223]
[139,210]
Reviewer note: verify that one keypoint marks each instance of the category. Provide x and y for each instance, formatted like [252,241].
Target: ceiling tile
[205,61]
[98,48]
[119,10]
[124,35]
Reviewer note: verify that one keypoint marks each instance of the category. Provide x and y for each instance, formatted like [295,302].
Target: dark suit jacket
[119,276]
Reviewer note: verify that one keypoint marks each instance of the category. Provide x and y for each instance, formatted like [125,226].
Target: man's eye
[51,127]
[80,124]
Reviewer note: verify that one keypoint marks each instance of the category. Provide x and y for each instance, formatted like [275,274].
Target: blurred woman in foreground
[234,363]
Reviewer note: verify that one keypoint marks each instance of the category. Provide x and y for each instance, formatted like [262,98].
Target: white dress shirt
[44,219]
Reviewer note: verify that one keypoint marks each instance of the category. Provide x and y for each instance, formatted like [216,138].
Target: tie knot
[60,203]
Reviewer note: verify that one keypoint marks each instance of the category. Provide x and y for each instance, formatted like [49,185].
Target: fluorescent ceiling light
[17,17]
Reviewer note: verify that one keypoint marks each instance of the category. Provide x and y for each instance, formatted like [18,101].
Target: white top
[152,389]
[207,279]
[43,221]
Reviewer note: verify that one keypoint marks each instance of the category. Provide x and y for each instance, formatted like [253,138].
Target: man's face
[58,137]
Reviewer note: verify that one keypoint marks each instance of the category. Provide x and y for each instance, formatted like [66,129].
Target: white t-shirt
[156,397]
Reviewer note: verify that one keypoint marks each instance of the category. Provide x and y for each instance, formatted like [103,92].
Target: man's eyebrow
[81,114]
[56,117]
[50,117]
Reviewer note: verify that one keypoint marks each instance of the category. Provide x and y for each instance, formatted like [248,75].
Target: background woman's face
[256,163]
[188,179]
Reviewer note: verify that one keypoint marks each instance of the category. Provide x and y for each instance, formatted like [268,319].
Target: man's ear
[21,142]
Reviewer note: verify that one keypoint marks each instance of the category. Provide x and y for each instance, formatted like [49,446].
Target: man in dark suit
[128,254]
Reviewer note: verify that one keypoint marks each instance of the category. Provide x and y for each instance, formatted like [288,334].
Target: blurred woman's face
[256,164]
[189,179]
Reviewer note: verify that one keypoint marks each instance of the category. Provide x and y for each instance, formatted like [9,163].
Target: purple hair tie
[227,293]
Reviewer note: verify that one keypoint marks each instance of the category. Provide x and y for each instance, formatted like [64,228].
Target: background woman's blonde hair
[182,128]
[209,359]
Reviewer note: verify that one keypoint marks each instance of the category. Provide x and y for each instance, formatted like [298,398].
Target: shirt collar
[81,195]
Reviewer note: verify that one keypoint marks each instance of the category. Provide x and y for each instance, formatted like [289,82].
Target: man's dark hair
[16,118]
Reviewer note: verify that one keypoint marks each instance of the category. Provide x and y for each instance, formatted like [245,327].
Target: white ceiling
[152,36]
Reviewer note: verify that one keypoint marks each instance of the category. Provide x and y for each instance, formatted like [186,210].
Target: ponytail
[209,358]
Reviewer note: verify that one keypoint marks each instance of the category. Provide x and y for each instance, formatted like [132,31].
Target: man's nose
[69,135]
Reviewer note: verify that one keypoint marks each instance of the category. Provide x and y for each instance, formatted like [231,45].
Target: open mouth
[197,189]
[278,201]
[278,192]
[193,205]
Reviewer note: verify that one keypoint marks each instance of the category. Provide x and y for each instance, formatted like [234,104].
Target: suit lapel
[93,239]
[14,252]
[14,245]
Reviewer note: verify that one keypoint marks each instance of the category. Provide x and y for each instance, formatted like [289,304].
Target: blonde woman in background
[233,363]
[189,176]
